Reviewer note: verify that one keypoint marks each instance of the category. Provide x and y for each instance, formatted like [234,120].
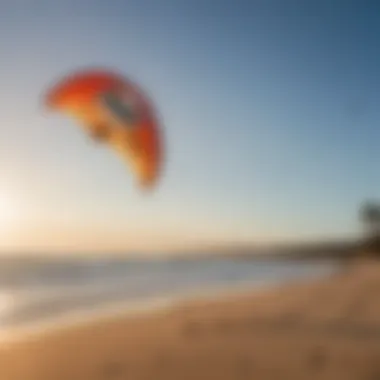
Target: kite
[113,110]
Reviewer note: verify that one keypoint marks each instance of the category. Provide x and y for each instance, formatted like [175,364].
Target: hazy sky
[270,108]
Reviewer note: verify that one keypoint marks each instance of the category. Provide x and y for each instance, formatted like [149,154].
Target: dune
[321,329]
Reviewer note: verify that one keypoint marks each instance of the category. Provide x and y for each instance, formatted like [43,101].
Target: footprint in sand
[317,359]
[112,370]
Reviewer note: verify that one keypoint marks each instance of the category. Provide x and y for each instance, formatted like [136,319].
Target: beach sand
[325,329]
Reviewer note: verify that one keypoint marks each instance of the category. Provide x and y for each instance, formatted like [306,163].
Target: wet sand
[325,329]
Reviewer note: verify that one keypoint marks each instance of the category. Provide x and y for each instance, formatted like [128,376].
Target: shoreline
[149,307]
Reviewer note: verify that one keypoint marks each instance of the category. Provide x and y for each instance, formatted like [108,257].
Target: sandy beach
[324,329]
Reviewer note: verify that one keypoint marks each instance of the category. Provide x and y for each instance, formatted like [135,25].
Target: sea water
[50,290]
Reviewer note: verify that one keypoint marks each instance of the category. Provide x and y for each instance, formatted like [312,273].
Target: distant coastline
[332,250]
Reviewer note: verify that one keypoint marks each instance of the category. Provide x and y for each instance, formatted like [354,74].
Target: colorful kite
[114,111]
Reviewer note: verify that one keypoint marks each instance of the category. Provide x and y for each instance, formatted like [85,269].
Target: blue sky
[270,110]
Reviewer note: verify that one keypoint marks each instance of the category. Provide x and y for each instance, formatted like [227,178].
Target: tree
[370,216]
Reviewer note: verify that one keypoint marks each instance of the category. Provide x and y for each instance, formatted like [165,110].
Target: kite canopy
[114,111]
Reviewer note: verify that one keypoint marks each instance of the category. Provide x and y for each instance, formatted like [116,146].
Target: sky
[269,109]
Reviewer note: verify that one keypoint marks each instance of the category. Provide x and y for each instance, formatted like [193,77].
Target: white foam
[78,318]
[123,309]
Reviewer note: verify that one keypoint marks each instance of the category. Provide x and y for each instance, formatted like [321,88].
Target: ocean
[49,291]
